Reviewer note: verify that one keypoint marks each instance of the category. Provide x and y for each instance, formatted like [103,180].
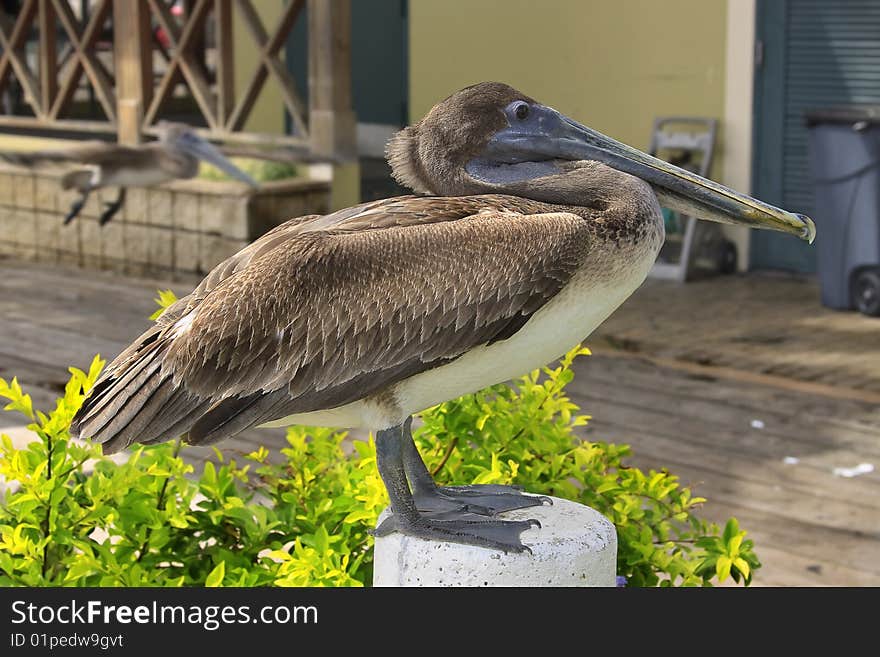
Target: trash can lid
[866,114]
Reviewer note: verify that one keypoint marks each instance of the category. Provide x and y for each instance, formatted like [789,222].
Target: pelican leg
[77,206]
[406,518]
[449,501]
[112,208]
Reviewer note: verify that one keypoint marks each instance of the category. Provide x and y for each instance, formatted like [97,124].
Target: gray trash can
[845,167]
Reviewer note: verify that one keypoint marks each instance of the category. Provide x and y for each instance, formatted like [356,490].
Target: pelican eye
[521,111]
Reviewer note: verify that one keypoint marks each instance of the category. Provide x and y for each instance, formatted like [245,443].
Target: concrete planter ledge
[174,231]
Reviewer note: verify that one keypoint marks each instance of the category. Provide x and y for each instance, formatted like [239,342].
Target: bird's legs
[406,518]
[481,499]
[112,208]
[77,206]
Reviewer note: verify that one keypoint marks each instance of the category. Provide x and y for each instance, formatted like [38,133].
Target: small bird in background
[175,155]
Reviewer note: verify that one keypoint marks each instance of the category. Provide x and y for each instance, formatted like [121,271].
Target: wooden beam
[68,88]
[166,20]
[190,68]
[133,61]
[182,61]
[96,127]
[331,118]
[84,53]
[11,57]
[101,82]
[48,55]
[225,46]
[269,63]
[248,138]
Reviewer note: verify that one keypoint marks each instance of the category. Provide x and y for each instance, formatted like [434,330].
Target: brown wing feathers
[312,318]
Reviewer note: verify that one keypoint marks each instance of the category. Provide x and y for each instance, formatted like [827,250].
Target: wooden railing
[132,83]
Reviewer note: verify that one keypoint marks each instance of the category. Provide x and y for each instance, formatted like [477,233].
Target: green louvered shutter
[812,54]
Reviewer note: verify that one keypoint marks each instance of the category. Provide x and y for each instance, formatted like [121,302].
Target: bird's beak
[206,151]
[550,134]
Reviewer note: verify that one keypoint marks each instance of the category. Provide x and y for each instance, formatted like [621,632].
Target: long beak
[206,151]
[554,135]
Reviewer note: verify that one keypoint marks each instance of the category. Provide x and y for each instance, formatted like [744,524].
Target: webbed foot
[481,499]
[494,534]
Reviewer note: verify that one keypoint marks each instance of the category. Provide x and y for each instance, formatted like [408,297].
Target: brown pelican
[175,155]
[531,229]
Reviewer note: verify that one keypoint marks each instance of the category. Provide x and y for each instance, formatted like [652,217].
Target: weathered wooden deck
[680,372]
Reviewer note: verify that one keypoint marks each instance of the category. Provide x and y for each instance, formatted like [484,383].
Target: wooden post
[225,62]
[48,57]
[133,54]
[331,118]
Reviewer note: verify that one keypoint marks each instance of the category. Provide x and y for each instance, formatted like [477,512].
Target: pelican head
[182,138]
[492,138]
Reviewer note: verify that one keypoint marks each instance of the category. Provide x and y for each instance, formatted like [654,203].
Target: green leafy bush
[73,517]
[259,170]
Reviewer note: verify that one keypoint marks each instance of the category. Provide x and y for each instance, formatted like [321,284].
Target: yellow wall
[612,64]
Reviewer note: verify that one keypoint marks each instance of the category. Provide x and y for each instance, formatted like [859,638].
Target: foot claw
[535,523]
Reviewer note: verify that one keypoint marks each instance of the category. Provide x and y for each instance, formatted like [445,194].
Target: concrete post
[576,546]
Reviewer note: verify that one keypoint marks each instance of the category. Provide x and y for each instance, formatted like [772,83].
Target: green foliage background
[71,516]
[259,170]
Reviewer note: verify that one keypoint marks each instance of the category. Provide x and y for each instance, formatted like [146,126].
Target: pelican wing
[328,310]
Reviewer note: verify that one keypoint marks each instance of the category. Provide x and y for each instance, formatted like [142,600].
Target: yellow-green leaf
[722,567]
[733,545]
[165,299]
[215,577]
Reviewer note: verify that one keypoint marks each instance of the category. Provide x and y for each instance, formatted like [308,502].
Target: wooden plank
[67,90]
[828,542]
[13,51]
[94,127]
[165,88]
[782,568]
[786,332]
[255,139]
[181,62]
[225,61]
[254,85]
[730,407]
[752,395]
[268,49]
[196,81]
[245,104]
[48,55]
[134,68]
[759,450]
[331,119]
[166,20]
[52,346]
[820,443]
[83,45]
[289,95]
[252,22]
[814,487]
